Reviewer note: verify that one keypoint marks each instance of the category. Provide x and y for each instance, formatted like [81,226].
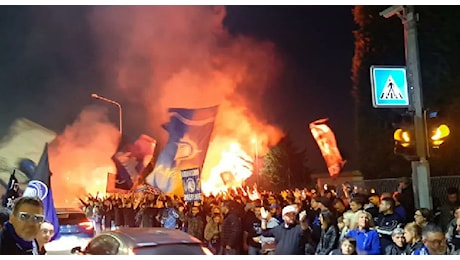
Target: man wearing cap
[291,235]
[19,232]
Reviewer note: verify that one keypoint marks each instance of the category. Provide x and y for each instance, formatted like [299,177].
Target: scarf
[24,245]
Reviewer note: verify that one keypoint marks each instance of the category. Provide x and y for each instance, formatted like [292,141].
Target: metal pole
[257,164]
[256,159]
[421,168]
[120,120]
[120,114]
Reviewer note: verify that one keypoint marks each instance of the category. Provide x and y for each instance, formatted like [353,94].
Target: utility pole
[421,168]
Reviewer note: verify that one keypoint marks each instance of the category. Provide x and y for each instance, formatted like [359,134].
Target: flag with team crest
[131,161]
[189,135]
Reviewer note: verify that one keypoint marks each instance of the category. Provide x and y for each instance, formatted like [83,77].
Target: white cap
[288,209]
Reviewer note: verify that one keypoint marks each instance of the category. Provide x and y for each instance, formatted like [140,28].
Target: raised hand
[302,215]
[263,212]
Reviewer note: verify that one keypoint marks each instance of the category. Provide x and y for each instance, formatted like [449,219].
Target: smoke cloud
[80,157]
[182,56]
[156,57]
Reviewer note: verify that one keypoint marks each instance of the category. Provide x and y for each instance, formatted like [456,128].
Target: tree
[285,166]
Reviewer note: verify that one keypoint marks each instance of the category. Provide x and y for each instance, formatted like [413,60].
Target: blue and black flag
[12,193]
[189,135]
[40,186]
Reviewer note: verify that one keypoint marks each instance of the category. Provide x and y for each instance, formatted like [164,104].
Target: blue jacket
[367,241]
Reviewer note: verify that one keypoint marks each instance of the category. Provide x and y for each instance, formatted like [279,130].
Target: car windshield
[71,218]
[171,249]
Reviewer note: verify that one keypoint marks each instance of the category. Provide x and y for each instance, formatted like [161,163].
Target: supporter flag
[12,193]
[132,160]
[40,186]
[123,180]
[189,134]
[325,139]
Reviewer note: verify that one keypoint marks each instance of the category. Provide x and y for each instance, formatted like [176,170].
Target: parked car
[143,241]
[73,222]
[75,230]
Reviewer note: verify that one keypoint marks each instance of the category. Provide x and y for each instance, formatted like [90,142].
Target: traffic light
[404,137]
[437,130]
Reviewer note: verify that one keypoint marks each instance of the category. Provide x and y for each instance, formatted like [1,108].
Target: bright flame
[233,168]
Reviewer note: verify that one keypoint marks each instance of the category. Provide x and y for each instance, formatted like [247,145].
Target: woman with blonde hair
[367,238]
[212,232]
[345,224]
[413,235]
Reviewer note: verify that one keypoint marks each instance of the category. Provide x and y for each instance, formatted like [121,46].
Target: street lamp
[96,96]
[256,167]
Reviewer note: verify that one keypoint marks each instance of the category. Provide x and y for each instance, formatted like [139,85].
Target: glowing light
[441,132]
[233,167]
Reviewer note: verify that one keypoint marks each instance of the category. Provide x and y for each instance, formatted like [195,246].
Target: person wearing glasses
[20,231]
[435,242]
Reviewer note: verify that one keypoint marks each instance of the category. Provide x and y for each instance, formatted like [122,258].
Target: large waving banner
[325,139]
[189,134]
[132,160]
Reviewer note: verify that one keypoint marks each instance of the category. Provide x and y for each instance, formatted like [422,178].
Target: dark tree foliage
[380,41]
[285,166]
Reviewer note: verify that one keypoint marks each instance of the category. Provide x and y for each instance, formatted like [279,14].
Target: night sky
[315,42]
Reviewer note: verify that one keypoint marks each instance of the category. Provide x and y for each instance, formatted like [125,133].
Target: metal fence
[439,185]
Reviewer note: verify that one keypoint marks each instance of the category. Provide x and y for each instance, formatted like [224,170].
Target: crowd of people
[299,221]
[296,221]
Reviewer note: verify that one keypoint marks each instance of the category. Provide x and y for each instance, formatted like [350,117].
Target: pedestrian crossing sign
[389,87]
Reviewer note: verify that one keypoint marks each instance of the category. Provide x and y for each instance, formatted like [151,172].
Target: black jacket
[393,249]
[386,224]
[252,225]
[11,244]
[232,231]
[329,240]
[289,240]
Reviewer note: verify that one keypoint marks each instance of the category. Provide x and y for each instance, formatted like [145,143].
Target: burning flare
[233,168]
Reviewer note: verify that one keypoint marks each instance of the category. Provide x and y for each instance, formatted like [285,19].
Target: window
[71,218]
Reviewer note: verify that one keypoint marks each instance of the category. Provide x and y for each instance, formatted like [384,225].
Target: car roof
[142,237]
[68,210]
